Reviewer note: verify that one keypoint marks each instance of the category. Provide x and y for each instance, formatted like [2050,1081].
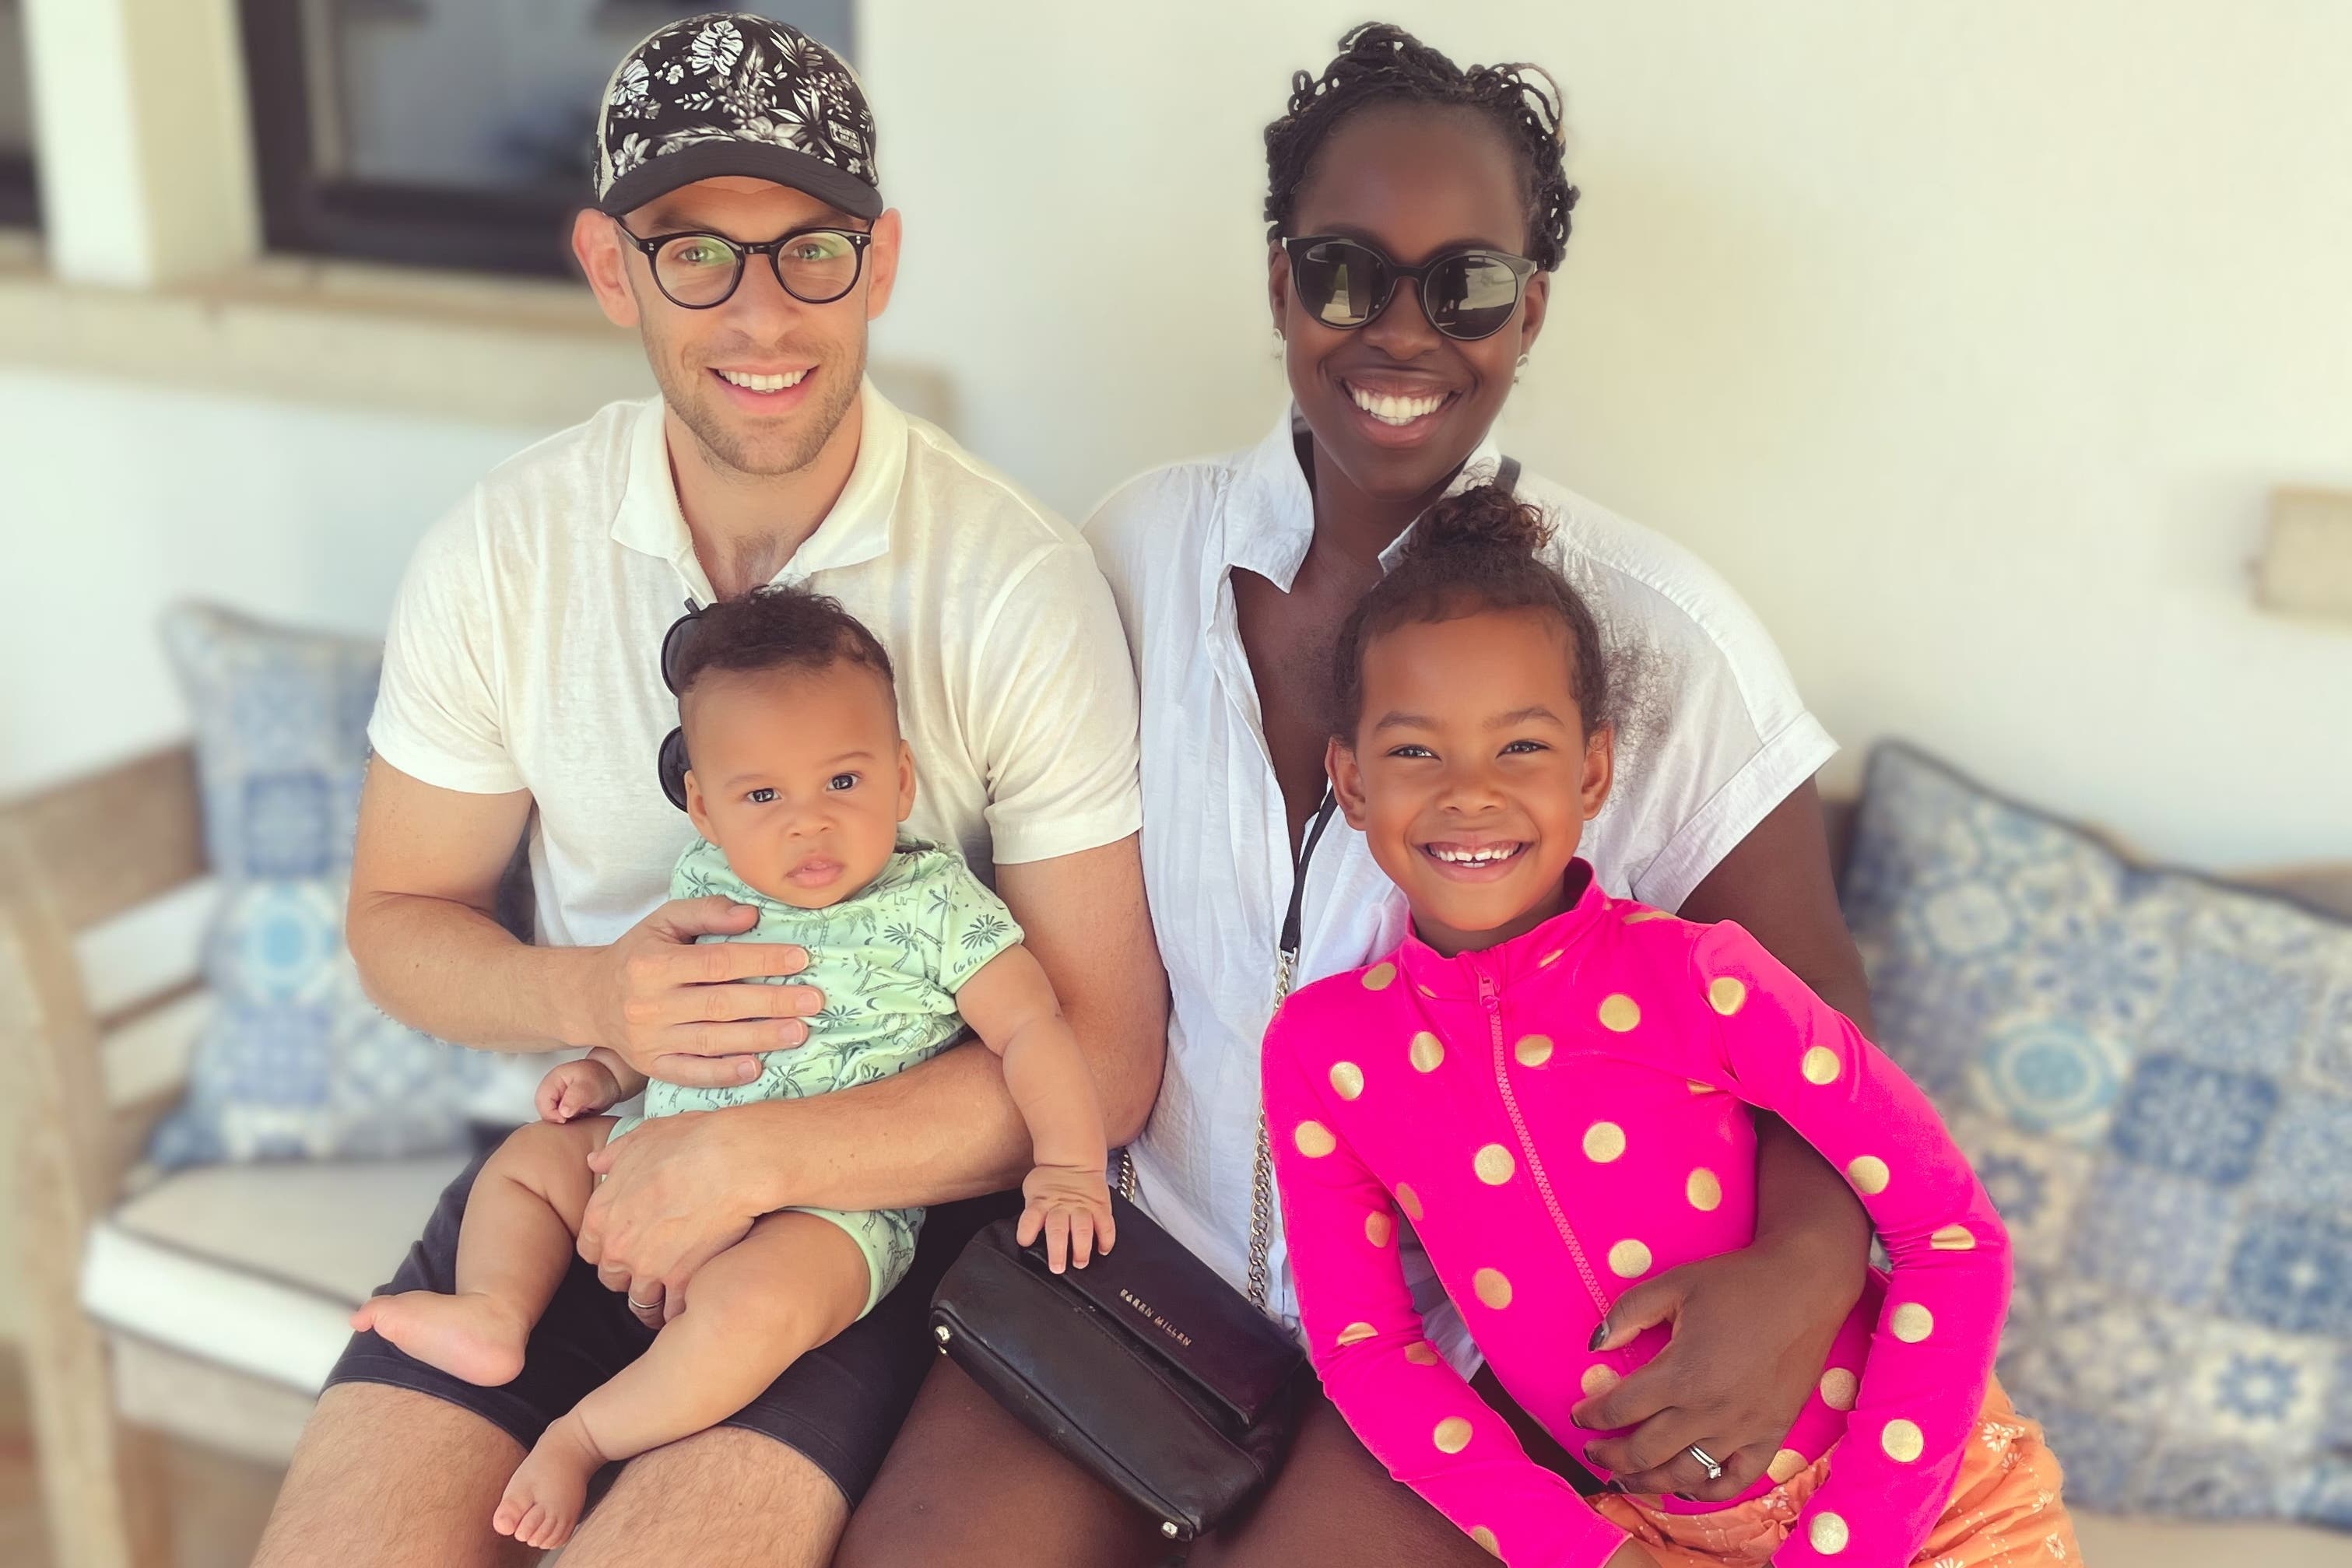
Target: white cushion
[259,1267]
[2196,1543]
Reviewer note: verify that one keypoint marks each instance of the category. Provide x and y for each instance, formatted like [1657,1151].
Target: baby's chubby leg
[789,1286]
[512,1250]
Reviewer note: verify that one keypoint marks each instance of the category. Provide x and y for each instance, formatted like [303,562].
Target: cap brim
[716,160]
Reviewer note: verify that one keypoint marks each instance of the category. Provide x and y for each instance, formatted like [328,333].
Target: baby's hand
[576,1089]
[1072,1206]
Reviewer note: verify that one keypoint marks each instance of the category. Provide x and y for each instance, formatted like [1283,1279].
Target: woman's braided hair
[1476,551]
[1382,63]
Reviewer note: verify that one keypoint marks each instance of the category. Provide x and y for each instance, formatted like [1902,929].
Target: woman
[1417,211]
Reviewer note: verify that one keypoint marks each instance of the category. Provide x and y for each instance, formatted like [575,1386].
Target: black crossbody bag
[1145,1368]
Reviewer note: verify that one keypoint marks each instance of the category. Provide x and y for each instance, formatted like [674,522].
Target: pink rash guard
[1565,1115]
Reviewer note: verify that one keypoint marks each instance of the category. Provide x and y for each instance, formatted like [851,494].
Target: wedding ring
[656,1306]
[1706,1462]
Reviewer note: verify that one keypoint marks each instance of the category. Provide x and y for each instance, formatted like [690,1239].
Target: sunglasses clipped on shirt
[672,759]
[1467,294]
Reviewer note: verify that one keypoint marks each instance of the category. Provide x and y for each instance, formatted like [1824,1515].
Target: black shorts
[840,1404]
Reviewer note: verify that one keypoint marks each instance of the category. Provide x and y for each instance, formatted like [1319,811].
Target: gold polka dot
[1603,1142]
[1491,1288]
[1428,1050]
[1696,1087]
[1725,995]
[1636,919]
[1704,1190]
[1424,991]
[1901,1441]
[1868,1173]
[1828,1534]
[1549,959]
[1820,1066]
[1410,1201]
[1486,1538]
[1953,1238]
[1493,1165]
[1420,1354]
[1347,1080]
[1786,1466]
[1838,1388]
[1913,1322]
[1380,977]
[1628,1259]
[1619,1013]
[1533,1051]
[1378,1229]
[1314,1140]
[1453,1435]
[1598,1380]
[1357,1333]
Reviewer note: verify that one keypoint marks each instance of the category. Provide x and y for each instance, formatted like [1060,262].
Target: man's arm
[426,871]
[681,1187]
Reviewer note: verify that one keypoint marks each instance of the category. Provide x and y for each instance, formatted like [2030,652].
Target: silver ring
[656,1306]
[1706,1462]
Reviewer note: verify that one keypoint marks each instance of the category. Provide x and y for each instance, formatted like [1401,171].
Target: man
[741,231]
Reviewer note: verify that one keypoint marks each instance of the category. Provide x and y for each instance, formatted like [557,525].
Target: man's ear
[695,807]
[605,261]
[1347,781]
[906,780]
[1600,770]
[882,263]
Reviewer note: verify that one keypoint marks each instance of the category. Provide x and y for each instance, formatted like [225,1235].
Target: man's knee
[726,1495]
[389,1476]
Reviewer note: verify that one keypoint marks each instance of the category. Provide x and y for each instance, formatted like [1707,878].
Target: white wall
[1965,341]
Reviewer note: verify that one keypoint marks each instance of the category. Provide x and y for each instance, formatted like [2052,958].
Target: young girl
[798,783]
[1550,1086]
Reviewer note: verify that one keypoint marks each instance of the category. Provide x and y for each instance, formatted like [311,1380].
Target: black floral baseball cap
[729,93]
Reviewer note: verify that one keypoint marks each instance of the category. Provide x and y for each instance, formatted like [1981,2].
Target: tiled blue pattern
[295,1063]
[2153,1073]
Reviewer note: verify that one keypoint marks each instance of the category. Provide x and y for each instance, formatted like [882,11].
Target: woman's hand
[1752,1330]
[675,1195]
[1071,1209]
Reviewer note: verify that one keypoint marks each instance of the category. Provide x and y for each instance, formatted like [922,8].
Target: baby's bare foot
[467,1337]
[542,1500]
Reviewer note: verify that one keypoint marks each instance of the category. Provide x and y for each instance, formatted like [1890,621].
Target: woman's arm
[1753,1328]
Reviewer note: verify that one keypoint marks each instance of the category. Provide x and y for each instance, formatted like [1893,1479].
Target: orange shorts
[2005,1510]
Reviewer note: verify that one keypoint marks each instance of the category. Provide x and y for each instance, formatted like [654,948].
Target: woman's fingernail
[1599,1334]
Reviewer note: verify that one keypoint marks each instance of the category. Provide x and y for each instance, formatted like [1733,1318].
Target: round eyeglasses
[1466,294]
[698,271]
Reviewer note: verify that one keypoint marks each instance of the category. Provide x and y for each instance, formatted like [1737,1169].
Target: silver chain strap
[1262,1169]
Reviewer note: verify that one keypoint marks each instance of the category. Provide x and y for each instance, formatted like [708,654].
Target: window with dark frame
[446,132]
[20,202]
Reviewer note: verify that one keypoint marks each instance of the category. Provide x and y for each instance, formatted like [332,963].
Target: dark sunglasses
[702,271]
[1466,294]
[673,759]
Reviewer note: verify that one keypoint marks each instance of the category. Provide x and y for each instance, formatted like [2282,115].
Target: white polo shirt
[524,653]
[1713,736]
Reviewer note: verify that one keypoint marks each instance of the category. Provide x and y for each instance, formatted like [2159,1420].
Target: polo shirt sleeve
[437,717]
[1053,701]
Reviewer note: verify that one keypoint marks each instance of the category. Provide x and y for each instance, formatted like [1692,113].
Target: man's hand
[680,1010]
[1752,1330]
[573,1089]
[1072,1208]
[673,1197]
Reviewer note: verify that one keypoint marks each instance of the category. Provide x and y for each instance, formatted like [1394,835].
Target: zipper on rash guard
[1494,1006]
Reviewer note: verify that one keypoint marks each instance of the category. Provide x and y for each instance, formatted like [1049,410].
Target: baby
[798,782]
[1551,1085]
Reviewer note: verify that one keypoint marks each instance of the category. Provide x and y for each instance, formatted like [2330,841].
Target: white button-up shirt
[1712,736]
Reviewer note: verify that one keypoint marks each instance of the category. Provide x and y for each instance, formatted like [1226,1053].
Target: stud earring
[1515,375]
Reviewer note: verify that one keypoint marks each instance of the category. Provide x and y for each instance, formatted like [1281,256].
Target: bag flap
[1177,1308]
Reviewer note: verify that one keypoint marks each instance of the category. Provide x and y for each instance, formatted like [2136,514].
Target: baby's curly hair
[1474,551]
[775,628]
[1382,63]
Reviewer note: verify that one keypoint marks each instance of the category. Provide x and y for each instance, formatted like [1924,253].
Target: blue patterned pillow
[295,1061]
[2153,1074]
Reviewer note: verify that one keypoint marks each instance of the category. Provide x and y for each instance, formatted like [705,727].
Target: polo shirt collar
[1270,517]
[856,529]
